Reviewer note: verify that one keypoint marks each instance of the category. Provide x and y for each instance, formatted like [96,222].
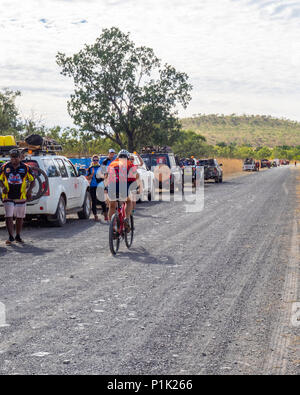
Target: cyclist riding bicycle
[121,178]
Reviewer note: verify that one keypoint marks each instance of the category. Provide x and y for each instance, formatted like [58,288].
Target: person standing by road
[139,186]
[94,181]
[14,178]
[110,158]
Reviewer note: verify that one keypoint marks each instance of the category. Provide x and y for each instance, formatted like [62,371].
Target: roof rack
[38,151]
[48,146]
[4,149]
[156,149]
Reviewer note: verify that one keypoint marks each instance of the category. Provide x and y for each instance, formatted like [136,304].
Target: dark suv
[212,170]
[157,156]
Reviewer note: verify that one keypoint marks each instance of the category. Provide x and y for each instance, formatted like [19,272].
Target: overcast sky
[242,56]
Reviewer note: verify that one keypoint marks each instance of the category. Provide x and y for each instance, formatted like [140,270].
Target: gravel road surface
[199,293]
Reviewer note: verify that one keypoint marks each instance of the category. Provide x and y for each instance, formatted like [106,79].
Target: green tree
[9,114]
[263,153]
[123,92]
[244,152]
[190,144]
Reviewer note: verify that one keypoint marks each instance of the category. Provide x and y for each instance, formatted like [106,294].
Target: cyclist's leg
[128,209]
[112,208]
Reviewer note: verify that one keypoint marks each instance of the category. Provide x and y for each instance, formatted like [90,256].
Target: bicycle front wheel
[114,237]
[129,235]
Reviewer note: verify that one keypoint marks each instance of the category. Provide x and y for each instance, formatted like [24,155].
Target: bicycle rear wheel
[114,237]
[129,235]
[41,184]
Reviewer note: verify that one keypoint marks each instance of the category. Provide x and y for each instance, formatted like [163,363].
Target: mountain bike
[117,230]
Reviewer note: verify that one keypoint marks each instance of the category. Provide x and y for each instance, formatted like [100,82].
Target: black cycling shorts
[120,191]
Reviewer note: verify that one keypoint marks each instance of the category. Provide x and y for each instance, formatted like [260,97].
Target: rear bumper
[43,206]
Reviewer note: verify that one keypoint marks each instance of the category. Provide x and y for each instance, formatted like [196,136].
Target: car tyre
[86,208]
[60,215]
[151,193]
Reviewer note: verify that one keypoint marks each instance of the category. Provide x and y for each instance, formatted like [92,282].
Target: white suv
[147,178]
[67,193]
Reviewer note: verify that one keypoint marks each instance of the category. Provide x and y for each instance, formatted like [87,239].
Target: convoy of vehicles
[66,189]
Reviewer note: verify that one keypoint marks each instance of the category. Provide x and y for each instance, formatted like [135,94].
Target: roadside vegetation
[125,97]
[78,142]
[252,130]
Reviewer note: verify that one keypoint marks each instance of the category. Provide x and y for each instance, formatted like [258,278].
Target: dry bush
[231,166]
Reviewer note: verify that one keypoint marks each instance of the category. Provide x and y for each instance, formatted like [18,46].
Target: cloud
[80,22]
[277,9]
[241,56]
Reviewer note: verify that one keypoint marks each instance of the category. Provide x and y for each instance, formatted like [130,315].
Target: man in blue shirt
[91,176]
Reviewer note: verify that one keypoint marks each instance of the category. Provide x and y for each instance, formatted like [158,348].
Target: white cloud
[241,55]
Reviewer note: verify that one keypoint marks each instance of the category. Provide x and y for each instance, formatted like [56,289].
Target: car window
[62,168]
[206,162]
[152,160]
[71,168]
[172,160]
[50,168]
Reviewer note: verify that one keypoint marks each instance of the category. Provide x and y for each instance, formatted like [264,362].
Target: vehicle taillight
[47,193]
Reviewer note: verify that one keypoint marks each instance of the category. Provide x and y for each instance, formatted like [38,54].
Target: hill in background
[255,130]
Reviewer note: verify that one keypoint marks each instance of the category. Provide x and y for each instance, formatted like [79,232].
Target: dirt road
[210,292]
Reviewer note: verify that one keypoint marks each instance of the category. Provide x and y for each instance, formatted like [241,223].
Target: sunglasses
[95,160]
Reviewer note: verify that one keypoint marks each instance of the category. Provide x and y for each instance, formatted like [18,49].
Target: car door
[142,171]
[66,182]
[74,183]
[176,171]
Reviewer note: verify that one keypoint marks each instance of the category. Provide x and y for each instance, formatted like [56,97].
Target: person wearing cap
[14,178]
[94,181]
[110,158]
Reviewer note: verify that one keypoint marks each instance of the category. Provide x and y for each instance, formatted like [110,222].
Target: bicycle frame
[122,215]
[117,229]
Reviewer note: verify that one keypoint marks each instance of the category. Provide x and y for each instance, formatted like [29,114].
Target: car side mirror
[81,172]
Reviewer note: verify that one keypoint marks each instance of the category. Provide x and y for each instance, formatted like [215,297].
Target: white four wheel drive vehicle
[147,179]
[249,165]
[67,192]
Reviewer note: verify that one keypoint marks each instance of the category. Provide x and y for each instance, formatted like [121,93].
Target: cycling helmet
[124,154]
